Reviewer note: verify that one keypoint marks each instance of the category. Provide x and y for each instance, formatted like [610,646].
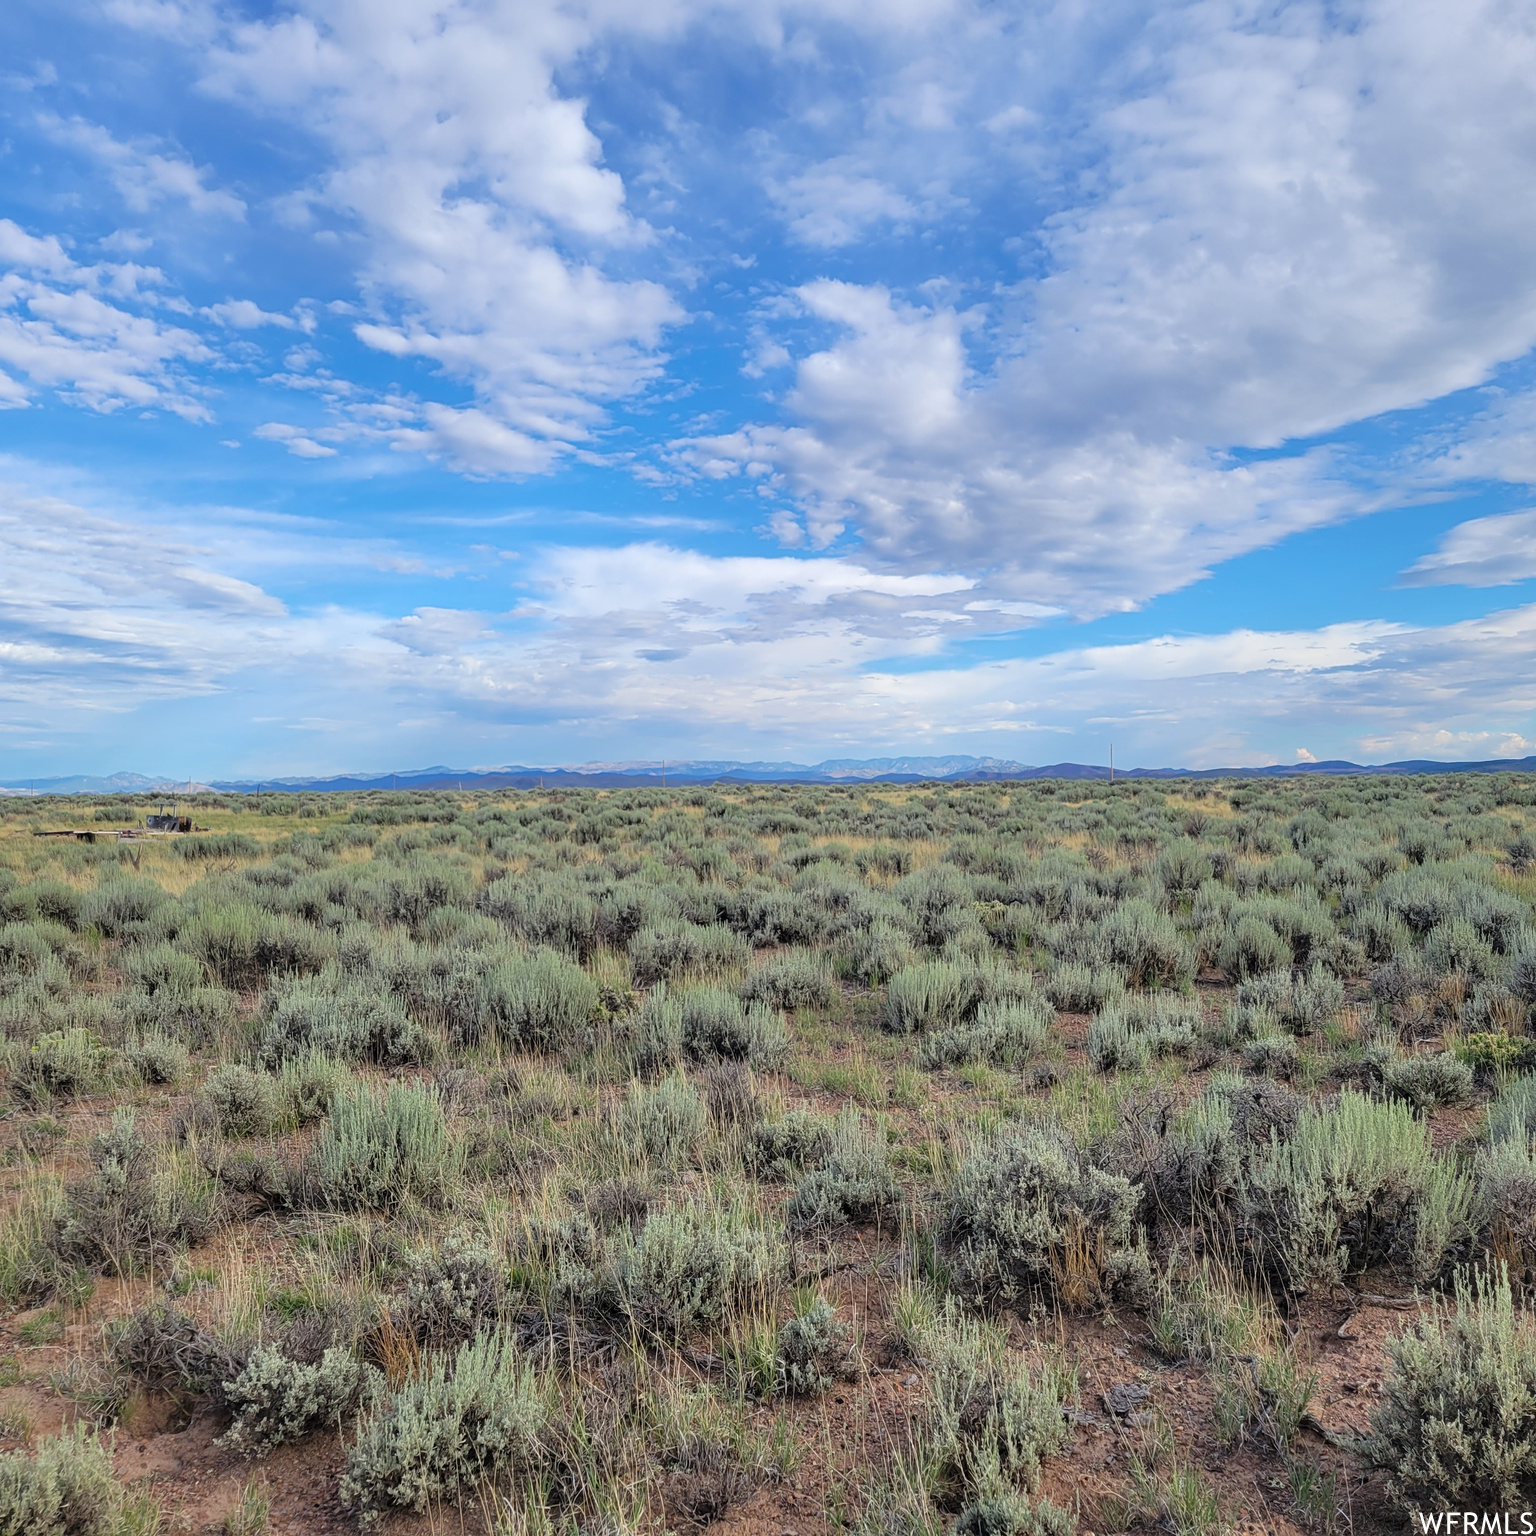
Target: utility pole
[1111,762]
[663,773]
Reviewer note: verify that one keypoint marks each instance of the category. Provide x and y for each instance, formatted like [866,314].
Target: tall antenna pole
[1111,762]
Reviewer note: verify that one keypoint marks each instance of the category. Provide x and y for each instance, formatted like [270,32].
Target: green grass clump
[379,1152]
[29,1265]
[466,1423]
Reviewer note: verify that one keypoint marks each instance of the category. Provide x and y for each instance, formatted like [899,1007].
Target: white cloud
[1498,443]
[1485,552]
[833,204]
[486,211]
[108,612]
[245,315]
[58,333]
[1276,225]
[143,176]
[901,445]
[113,613]
[295,439]
[36,253]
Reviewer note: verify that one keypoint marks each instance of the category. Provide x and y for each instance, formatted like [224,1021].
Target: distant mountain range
[94,784]
[875,770]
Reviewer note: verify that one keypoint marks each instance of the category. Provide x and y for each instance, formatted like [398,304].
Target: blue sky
[407,382]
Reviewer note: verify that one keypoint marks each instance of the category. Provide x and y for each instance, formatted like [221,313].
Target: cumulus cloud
[1280,235]
[58,332]
[246,315]
[1147,258]
[485,207]
[899,444]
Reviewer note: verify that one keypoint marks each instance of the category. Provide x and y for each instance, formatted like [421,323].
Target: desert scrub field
[1017,1158]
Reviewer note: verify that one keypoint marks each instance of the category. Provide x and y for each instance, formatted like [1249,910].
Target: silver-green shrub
[815,1349]
[276,1400]
[378,1152]
[137,1205]
[1007,1512]
[347,1018]
[991,1418]
[1003,1033]
[931,995]
[1144,944]
[716,1026]
[542,1003]
[781,1149]
[66,1489]
[1512,1115]
[875,954]
[1356,1184]
[1017,1202]
[158,1059]
[1135,1028]
[61,1063]
[1428,1082]
[854,1181]
[465,1422]
[694,1266]
[796,979]
[1457,1428]
[1078,988]
[670,1120]
[241,1101]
